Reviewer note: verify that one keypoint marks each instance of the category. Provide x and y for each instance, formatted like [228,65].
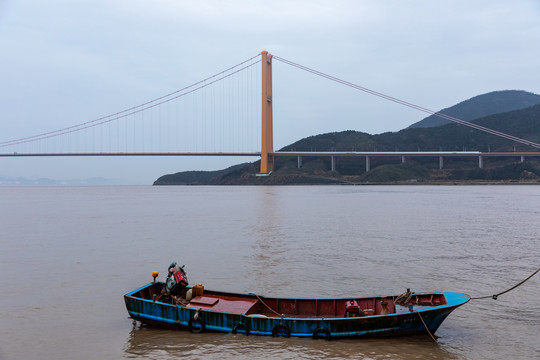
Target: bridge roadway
[287,153]
[402,153]
[15,154]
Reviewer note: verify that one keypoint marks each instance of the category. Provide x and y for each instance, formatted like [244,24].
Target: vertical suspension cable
[250,103]
[159,123]
[206,134]
[142,130]
[196,122]
[151,132]
[117,136]
[231,109]
[203,134]
[178,118]
[243,104]
[167,134]
[109,137]
[222,115]
[214,117]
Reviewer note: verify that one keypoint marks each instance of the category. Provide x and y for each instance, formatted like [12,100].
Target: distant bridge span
[402,153]
[83,154]
[289,153]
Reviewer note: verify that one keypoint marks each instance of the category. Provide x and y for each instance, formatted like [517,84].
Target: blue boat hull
[197,319]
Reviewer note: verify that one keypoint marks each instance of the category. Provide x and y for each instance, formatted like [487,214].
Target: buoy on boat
[155,274]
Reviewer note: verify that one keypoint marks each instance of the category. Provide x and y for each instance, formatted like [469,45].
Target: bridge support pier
[333,159]
[480,162]
[299,162]
[441,162]
[367,164]
[522,159]
[267,143]
[403,159]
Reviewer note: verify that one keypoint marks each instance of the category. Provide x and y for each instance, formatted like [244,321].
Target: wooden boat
[250,314]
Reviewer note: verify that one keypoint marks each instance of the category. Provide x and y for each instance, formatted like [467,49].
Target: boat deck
[222,304]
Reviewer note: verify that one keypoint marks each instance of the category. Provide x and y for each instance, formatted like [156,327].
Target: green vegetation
[483,105]
[200,177]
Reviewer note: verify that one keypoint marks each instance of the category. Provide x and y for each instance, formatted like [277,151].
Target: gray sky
[67,62]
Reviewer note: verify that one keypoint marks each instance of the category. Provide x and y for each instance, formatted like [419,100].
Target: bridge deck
[286,153]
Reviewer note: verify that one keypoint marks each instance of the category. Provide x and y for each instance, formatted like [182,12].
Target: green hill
[483,105]
[200,177]
[523,123]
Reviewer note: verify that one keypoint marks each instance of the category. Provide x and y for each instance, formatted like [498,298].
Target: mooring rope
[495,296]
[269,308]
[427,329]
[404,298]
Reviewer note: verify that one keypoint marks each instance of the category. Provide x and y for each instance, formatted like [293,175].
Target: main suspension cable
[405,103]
[134,109]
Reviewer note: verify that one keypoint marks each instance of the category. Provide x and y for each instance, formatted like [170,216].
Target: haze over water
[69,254]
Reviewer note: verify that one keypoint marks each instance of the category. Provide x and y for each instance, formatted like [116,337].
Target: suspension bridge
[227,114]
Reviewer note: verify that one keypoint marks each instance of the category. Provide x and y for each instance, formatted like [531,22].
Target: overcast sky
[67,62]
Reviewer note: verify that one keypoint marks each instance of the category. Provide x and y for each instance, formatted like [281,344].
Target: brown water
[69,254]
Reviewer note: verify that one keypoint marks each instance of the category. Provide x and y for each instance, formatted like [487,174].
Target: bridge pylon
[267,143]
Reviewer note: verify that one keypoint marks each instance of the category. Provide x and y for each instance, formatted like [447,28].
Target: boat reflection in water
[150,342]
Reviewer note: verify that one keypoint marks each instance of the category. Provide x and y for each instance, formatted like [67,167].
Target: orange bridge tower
[267,144]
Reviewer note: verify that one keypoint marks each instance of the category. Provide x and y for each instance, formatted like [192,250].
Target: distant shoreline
[398,183]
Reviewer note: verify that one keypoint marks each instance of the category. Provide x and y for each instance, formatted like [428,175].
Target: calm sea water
[69,254]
